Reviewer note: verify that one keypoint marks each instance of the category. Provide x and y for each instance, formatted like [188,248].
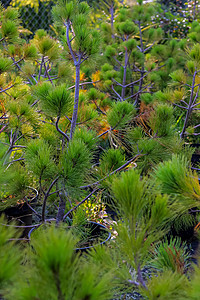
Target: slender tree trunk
[112,19]
[61,208]
[189,109]
[46,197]
[124,75]
[76,101]
[140,86]
[142,70]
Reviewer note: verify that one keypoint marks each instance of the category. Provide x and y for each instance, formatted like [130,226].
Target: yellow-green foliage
[31,3]
[9,256]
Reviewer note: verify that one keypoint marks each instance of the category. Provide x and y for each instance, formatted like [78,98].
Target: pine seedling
[54,270]
[171,255]
[120,114]
[111,160]
[142,225]
[192,289]
[55,101]
[82,42]
[10,256]
[110,9]
[75,163]
[130,53]
[161,120]
[155,137]
[167,285]
[87,137]
[184,93]
[39,159]
[176,179]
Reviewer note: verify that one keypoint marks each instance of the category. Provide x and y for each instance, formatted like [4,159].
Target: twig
[33,210]
[3,90]
[120,98]
[40,70]
[83,83]
[189,110]
[48,73]
[60,131]
[75,207]
[115,171]
[46,196]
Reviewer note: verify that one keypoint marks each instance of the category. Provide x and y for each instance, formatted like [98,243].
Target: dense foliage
[102,114]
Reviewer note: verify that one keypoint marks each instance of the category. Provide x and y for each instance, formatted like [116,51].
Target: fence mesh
[32,19]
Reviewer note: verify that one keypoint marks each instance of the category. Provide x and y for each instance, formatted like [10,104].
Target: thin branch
[52,78]
[68,41]
[60,131]
[120,98]
[195,104]
[80,123]
[139,92]
[183,107]
[117,61]
[184,102]
[84,59]
[149,47]
[10,162]
[48,73]
[75,207]
[33,210]
[20,69]
[99,108]
[55,192]
[19,138]
[46,197]
[189,110]
[16,62]
[68,119]
[103,133]
[83,83]
[72,38]
[195,98]
[18,146]
[3,90]
[22,226]
[196,126]
[34,103]
[40,70]
[134,282]
[115,171]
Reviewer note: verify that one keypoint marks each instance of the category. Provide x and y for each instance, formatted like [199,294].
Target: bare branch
[60,131]
[120,98]
[68,41]
[115,171]
[75,207]
[83,83]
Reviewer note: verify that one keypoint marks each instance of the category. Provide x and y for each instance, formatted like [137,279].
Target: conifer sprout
[99,108]
[144,219]
[184,92]
[130,53]
[171,255]
[10,257]
[154,137]
[83,42]
[176,178]
[55,271]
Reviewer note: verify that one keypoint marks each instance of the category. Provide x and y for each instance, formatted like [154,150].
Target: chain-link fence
[32,19]
[184,12]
